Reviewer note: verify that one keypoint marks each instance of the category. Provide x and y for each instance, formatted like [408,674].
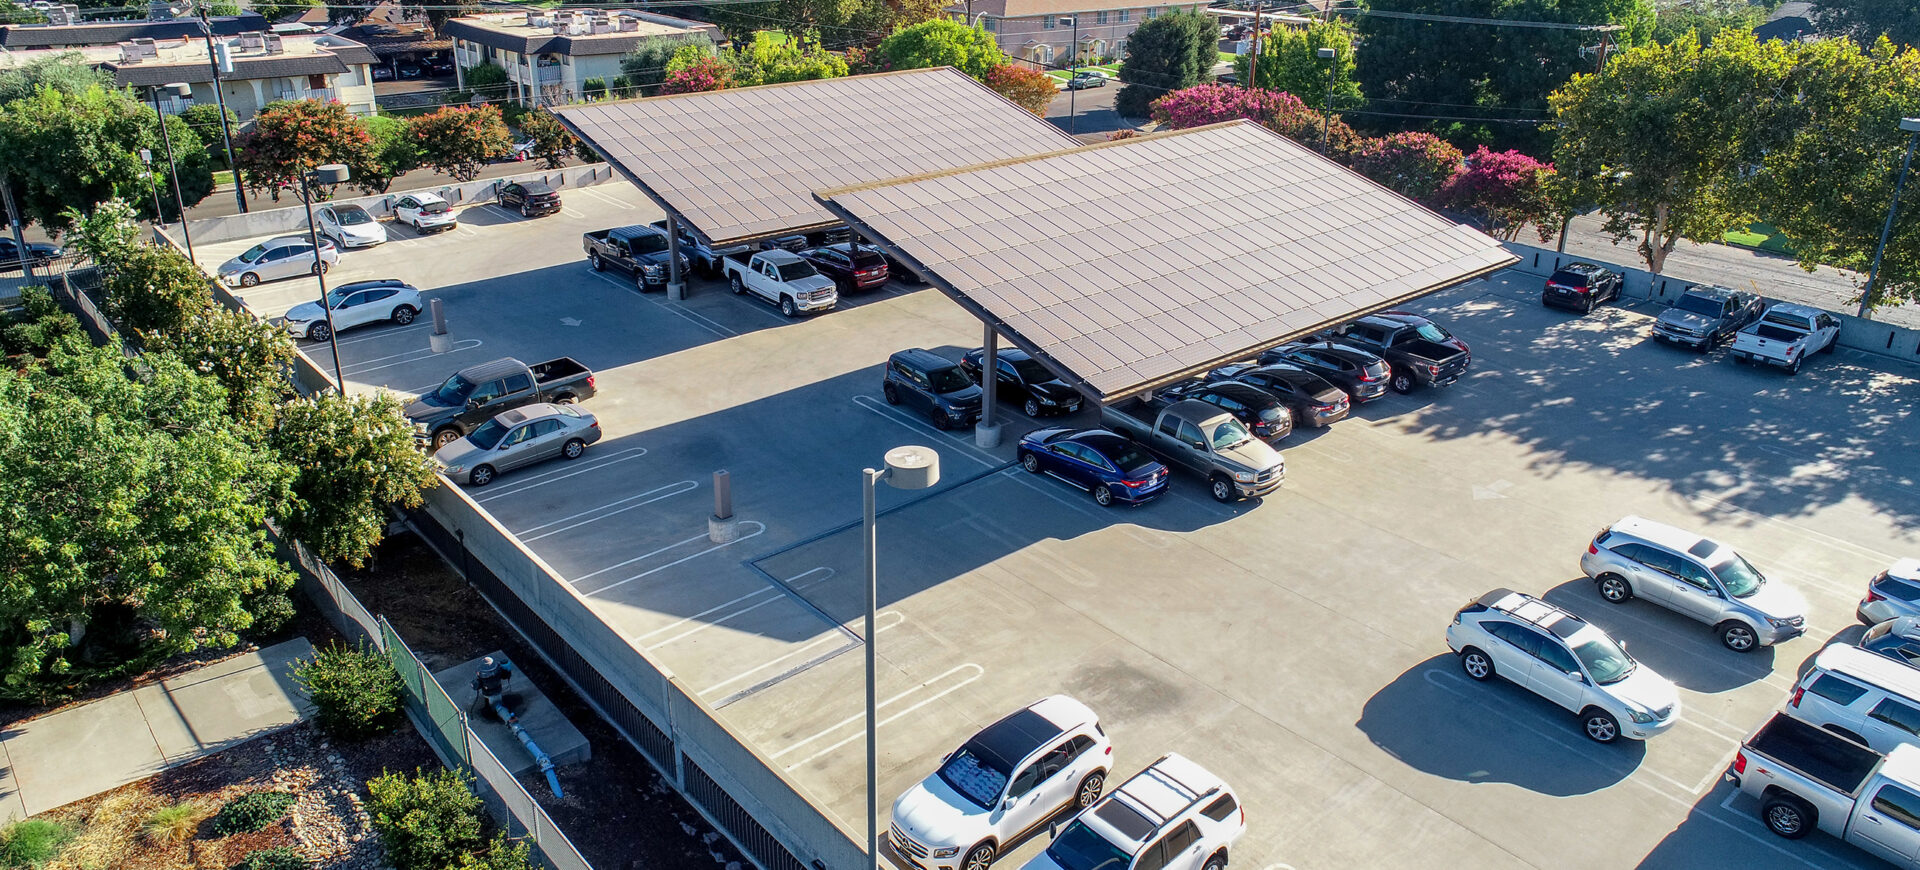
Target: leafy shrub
[252,811]
[355,690]
[172,824]
[276,858]
[429,821]
[31,843]
[501,854]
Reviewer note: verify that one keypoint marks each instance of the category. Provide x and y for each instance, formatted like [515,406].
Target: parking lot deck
[1294,645]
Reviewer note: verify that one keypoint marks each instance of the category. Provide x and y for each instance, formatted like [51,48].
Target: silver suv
[1172,816]
[1695,577]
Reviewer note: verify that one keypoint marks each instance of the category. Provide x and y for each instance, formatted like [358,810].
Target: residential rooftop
[571,31]
[148,62]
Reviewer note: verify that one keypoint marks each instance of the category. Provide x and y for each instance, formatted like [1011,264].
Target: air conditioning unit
[533,19]
[629,24]
[147,48]
[602,27]
[253,41]
[273,44]
[129,53]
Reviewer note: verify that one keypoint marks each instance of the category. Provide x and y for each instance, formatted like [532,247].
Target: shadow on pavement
[1675,647]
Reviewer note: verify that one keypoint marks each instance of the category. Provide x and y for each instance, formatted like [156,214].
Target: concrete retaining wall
[1867,336]
[289,215]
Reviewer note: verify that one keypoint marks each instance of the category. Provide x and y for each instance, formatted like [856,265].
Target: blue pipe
[539,757]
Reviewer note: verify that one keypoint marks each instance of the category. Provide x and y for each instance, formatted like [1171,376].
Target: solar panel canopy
[1131,264]
[743,163]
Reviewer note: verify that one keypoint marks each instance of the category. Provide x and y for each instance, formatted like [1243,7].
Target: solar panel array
[1133,262]
[743,163]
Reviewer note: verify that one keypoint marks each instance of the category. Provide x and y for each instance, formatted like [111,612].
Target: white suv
[1007,781]
[1866,698]
[1172,816]
[1564,659]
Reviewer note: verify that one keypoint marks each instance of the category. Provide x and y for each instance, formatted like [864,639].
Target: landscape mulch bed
[618,811]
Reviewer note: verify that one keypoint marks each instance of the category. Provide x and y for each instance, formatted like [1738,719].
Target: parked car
[1785,336]
[1696,577]
[782,278]
[1893,592]
[1204,440]
[1004,783]
[350,226]
[1897,638]
[425,212]
[640,251]
[1581,287]
[38,255]
[1704,316]
[932,384]
[1314,401]
[386,300]
[1867,698]
[1418,351]
[1024,380]
[476,394]
[1566,660]
[530,198]
[382,73]
[409,70]
[1083,80]
[438,65]
[284,257]
[1363,375]
[850,270]
[1175,815]
[1268,418]
[1105,464]
[1807,779]
[706,258]
[516,439]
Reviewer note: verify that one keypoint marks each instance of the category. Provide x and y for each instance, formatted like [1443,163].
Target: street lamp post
[1331,56]
[1912,127]
[908,467]
[1073,93]
[214,59]
[326,173]
[146,157]
[166,139]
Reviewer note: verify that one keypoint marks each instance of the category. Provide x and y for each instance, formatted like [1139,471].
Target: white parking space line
[795,581]
[758,528]
[976,673]
[914,423]
[701,321]
[571,213]
[882,621]
[364,366]
[607,199]
[376,336]
[739,613]
[597,514]
[595,465]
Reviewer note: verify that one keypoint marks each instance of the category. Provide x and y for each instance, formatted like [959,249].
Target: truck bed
[1432,351]
[1827,758]
[555,370]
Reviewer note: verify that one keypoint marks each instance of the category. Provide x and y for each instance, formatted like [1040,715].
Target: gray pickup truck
[1807,778]
[638,250]
[1205,440]
[473,395]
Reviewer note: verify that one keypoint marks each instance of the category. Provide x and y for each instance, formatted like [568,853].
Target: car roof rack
[1147,810]
[1541,614]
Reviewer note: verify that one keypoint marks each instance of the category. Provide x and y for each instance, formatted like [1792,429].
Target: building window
[1100,17]
[1046,22]
[1126,15]
[991,23]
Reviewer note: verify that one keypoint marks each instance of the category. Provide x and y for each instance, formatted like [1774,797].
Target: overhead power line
[1488,22]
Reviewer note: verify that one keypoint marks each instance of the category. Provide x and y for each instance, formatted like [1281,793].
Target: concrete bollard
[722,527]
[676,290]
[987,435]
[439,340]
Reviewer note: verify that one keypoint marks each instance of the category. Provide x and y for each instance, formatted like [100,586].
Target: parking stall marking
[376,336]
[977,672]
[709,324]
[595,464]
[758,528]
[882,621]
[883,409]
[794,582]
[607,199]
[601,512]
[365,366]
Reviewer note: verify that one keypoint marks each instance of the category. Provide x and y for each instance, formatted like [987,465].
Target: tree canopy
[645,67]
[70,143]
[1030,89]
[460,140]
[292,137]
[771,58]
[942,42]
[1415,165]
[1290,62]
[1867,20]
[1168,53]
[353,458]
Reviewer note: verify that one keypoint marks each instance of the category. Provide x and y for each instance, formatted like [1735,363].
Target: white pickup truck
[784,279]
[1807,778]
[1786,335]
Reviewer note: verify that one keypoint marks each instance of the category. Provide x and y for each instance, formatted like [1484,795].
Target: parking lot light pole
[1912,127]
[908,467]
[326,173]
[166,140]
[146,157]
[1073,93]
[1331,56]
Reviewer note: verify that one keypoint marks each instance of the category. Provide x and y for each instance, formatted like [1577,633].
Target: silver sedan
[514,439]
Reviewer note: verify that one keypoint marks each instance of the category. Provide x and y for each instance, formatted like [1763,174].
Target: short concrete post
[722,527]
[440,341]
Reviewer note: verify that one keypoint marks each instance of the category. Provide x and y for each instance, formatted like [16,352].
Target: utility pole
[13,218]
[220,100]
[1253,66]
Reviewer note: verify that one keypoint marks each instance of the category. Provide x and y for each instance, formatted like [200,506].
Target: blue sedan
[1104,463]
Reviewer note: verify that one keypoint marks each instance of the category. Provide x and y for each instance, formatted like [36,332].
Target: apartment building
[550,54]
[1043,32]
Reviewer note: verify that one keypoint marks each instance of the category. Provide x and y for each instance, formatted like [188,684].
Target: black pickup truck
[638,250]
[1418,352]
[475,394]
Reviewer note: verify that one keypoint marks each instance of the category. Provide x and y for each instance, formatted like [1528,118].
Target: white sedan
[356,304]
[350,225]
[425,212]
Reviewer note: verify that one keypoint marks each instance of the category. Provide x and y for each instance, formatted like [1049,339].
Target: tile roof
[110,32]
[1131,264]
[742,164]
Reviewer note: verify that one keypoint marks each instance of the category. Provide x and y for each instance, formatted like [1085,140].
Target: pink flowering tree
[705,74]
[1505,190]
[1415,165]
[1278,111]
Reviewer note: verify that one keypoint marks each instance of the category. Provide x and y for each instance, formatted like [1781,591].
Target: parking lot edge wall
[1856,333]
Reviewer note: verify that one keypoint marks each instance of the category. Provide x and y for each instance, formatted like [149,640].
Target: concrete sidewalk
[77,753]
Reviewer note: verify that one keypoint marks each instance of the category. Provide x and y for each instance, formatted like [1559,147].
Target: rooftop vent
[254,41]
[273,44]
[629,24]
[129,53]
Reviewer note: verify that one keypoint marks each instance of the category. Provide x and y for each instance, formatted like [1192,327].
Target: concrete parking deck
[1294,645]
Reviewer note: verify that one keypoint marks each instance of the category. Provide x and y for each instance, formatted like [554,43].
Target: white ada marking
[977,672]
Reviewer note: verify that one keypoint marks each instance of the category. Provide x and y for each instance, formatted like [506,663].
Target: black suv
[1361,374]
[1314,401]
[1023,379]
[532,198]
[922,379]
[1581,286]
[1268,418]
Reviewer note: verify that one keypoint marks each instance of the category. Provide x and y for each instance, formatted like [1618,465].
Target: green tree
[427,821]
[593,88]
[941,42]
[1867,20]
[13,13]
[1415,165]
[152,290]
[1666,140]
[460,140]
[484,77]
[1705,17]
[772,58]
[551,142]
[395,153]
[105,235]
[1290,61]
[204,120]
[1166,54]
[275,10]
[246,355]
[292,137]
[645,67]
[439,12]
[64,149]
[355,458]
[67,72]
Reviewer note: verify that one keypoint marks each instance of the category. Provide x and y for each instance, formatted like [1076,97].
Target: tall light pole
[1911,126]
[1073,118]
[146,157]
[908,467]
[219,99]
[325,173]
[1253,62]
[166,139]
[1332,57]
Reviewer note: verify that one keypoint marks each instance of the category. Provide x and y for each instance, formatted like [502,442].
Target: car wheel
[1090,788]
[445,437]
[573,448]
[639,281]
[249,280]
[1402,381]
[319,268]
[787,307]
[734,282]
[1032,407]
[1793,368]
[1587,308]
[1221,488]
[566,399]
[1102,496]
[1738,636]
[941,421]
[1788,816]
[1830,343]
[481,476]
[1476,664]
[980,858]
[1030,462]
[1600,725]
[1217,862]
[404,315]
[595,261]
[1613,588]
[892,395]
[319,332]
[526,212]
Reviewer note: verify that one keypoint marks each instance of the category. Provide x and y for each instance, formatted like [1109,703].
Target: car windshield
[1228,434]
[253,253]
[353,216]
[1273,415]
[976,778]
[647,244]
[1699,305]
[454,391]
[948,379]
[338,295]
[796,271]
[1605,661]
[1079,848]
[1032,372]
[1739,576]
[488,435]
[1432,332]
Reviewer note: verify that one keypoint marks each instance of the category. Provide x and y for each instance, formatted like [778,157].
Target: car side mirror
[1053,830]
[1197,445]
[1577,677]
[476,403]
